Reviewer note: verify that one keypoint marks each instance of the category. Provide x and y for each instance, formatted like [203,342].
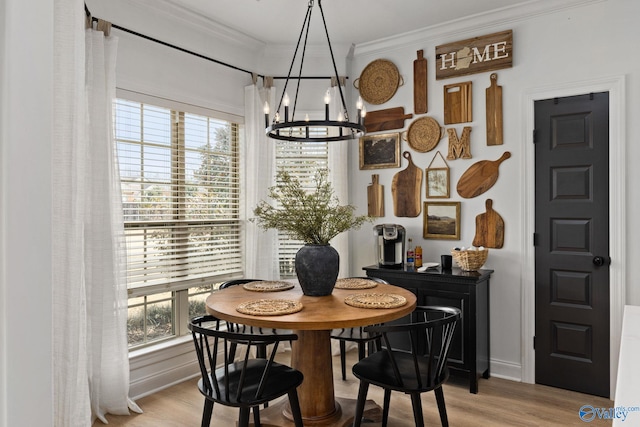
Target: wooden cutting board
[420,84]
[405,190]
[375,197]
[387,119]
[489,228]
[457,103]
[480,177]
[494,112]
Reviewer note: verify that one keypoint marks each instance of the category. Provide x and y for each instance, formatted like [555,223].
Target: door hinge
[534,342]
[535,136]
[535,239]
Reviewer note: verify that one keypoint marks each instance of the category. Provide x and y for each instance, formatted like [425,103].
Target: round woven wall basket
[424,134]
[378,82]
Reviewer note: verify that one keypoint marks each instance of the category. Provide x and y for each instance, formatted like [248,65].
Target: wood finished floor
[498,403]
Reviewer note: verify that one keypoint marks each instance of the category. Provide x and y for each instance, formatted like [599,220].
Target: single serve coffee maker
[389,245]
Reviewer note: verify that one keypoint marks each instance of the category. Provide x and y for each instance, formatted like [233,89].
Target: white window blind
[180,193]
[301,160]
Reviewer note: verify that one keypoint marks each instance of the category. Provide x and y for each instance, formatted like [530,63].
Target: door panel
[572,229]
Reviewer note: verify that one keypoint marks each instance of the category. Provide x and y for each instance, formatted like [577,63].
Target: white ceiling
[279,22]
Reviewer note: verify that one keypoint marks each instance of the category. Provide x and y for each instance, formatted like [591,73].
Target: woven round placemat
[424,134]
[267,286]
[375,300]
[355,283]
[269,307]
[379,81]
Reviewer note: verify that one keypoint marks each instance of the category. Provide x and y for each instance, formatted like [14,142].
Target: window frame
[180,293]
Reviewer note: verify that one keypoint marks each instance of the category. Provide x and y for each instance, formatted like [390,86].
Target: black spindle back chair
[246,383]
[357,335]
[422,369]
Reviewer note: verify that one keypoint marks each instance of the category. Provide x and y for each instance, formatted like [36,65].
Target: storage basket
[470,260]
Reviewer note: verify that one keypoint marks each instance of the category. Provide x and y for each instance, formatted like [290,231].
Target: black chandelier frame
[339,130]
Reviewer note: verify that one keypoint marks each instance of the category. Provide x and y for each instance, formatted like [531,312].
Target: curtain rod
[181,49]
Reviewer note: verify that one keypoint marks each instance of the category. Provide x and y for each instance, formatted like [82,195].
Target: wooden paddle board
[494,112]
[420,84]
[489,228]
[387,119]
[480,177]
[375,197]
[457,103]
[405,189]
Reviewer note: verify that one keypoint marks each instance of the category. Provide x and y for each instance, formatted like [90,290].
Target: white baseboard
[506,370]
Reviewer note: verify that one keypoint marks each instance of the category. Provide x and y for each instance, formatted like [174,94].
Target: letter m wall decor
[475,55]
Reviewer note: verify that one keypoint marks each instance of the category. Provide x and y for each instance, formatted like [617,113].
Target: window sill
[160,346]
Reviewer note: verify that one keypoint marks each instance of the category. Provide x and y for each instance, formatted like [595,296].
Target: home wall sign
[475,55]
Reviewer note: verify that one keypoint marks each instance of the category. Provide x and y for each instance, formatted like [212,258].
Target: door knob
[600,261]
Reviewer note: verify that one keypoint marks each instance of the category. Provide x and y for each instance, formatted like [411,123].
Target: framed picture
[441,220]
[380,151]
[438,183]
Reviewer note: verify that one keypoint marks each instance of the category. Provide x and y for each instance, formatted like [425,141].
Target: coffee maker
[389,245]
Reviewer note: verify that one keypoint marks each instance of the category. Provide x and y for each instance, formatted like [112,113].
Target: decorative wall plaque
[475,55]
[459,148]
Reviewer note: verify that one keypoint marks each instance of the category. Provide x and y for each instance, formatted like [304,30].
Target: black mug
[445,261]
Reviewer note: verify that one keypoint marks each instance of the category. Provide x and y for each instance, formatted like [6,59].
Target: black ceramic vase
[317,269]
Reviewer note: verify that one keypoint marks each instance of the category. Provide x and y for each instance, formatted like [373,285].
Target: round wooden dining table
[311,353]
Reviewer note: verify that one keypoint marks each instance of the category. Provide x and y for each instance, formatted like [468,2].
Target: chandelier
[290,129]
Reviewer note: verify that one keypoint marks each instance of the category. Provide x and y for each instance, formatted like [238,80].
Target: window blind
[301,160]
[180,193]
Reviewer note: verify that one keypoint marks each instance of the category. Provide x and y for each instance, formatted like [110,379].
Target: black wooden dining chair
[364,340]
[247,383]
[261,350]
[422,369]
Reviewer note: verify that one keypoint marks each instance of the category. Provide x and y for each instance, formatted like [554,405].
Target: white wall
[565,46]
[26,111]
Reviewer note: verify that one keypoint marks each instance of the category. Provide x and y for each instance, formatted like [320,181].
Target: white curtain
[259,159]
[90,365]
[339,177]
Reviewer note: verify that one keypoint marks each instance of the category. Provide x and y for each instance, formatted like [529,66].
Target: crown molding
[192,20]
[470,25]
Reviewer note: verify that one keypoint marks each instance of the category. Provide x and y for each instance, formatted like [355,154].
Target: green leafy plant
[314,217]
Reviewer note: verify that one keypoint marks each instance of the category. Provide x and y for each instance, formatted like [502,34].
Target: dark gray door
[572,243]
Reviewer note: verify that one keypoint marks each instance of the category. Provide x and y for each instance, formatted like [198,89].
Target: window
[179,174]
[301,160]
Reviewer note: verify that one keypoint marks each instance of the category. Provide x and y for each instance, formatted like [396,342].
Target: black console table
[468,291]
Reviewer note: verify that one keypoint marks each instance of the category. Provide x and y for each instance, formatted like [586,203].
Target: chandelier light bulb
[266,114]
